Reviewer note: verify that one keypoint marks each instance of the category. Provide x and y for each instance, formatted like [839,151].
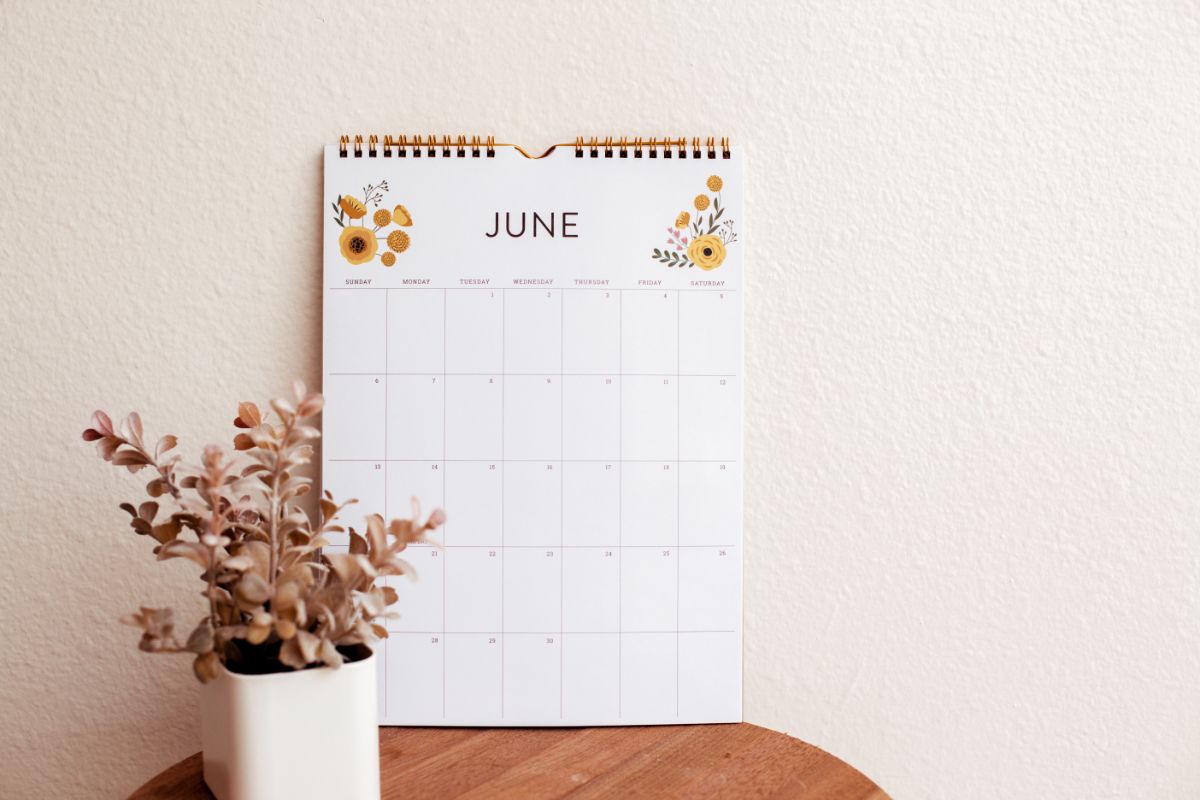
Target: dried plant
[276,600]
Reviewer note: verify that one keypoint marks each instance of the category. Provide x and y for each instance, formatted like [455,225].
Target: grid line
[442,641]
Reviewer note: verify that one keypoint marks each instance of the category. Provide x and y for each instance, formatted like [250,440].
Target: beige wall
[973,489]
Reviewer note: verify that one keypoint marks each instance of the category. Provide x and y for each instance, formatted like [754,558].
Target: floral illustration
[360,240]
[700,241]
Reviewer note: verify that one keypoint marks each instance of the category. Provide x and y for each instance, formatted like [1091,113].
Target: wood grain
[676,761]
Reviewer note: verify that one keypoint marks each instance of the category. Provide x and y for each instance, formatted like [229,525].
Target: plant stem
[276,472]
[214,524]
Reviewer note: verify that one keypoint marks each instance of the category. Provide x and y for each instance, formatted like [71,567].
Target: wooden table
[692,761]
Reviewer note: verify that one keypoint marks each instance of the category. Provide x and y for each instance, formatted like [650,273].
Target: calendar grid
[513,680]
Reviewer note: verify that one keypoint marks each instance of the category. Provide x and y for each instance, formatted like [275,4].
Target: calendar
[550,349]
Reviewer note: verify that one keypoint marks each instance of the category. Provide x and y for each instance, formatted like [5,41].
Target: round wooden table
[692,761]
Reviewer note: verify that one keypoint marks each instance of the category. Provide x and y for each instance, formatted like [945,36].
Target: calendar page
[550,350]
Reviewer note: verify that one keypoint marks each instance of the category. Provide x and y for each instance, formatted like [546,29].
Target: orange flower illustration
[365,224]
[707,252]
[357,244]
[353,207]
[699,240]
[398,241]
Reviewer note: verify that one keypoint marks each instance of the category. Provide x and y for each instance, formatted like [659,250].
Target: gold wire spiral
[475,146]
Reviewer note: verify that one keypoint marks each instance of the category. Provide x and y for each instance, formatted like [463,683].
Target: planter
[307,734]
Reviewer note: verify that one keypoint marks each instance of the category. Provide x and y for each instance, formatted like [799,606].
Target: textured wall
[973,487]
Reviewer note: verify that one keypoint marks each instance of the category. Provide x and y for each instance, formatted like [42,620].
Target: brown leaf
[403,567]
[238,563]
[131,427]
[107,446]
[375,535]
[290,654]
[310,405]
[257,634]
[251,590]
[164,444]
[283,408]
[345,566]
[306,433]
[286,595]
[373,604]
[248,416]
[102,423]
[285,628]
[189,550]
[201,640]
[127,458]
[358,545]
[309,645]
[259,553]
[207,667]
[166,531]
[329,654]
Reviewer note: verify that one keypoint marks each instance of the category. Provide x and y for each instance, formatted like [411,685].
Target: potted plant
[282,651]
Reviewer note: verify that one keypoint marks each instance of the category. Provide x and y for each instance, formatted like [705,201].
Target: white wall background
[973,492]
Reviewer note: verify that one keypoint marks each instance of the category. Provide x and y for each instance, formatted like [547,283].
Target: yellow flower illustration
[401,216]
[353,207]
[382,217]
[398,241]
[388,259]
[357,244]
[707,252]
[683,219]
[701,202]
[714,183]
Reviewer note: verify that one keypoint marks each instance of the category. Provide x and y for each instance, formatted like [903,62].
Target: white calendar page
[572,397]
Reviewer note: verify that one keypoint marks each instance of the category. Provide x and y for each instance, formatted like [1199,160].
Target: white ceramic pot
[307,734]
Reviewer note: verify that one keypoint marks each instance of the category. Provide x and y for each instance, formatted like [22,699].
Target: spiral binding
[432,146]
[639,147]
